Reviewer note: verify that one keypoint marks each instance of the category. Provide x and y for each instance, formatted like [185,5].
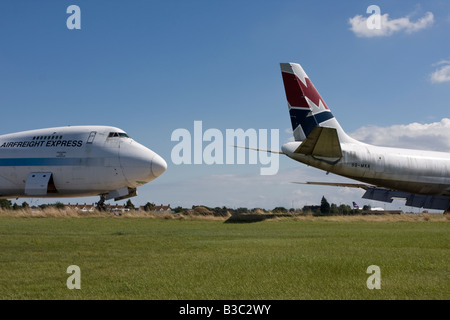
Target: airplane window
[117,134]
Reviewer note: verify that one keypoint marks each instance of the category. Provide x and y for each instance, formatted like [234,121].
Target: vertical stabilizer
[306,107]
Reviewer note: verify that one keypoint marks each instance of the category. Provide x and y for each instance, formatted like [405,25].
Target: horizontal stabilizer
[322,143]
[263,150]
[338,184]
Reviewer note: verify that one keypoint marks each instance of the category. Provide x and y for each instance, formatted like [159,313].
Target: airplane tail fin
[306,107]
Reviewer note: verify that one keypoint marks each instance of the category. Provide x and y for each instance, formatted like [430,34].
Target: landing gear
[101,204]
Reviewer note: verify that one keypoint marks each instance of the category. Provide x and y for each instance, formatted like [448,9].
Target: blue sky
[150,67]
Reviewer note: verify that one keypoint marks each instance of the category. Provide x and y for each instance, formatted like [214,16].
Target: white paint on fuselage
[81,164]
[414,171]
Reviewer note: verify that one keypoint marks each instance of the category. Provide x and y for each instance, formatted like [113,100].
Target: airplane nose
[158,166]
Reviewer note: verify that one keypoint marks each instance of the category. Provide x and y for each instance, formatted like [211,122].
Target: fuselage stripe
[44,162]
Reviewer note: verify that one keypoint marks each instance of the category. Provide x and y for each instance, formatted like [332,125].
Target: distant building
[381,212]
[116,208]
[81,207]
[161,208]
[91,207]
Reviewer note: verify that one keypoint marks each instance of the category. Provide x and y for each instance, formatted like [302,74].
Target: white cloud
[442,74]
[429,136]
[388,27]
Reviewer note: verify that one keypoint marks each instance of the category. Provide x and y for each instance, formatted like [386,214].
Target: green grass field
[147,258]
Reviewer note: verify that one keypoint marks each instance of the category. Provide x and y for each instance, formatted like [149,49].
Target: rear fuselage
[414,171]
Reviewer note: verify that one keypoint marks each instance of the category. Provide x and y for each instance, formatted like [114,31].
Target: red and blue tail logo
[306,107]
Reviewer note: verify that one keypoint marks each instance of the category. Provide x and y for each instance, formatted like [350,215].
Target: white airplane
[356,206]
[420,177]
[75,161]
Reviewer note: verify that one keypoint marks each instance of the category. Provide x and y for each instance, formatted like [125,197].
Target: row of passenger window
[111,135]
[47,138]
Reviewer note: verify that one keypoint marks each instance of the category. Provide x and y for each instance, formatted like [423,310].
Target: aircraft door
[91,137]
[39,184]
[112,160]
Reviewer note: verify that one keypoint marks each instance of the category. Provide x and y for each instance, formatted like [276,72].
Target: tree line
[324,209]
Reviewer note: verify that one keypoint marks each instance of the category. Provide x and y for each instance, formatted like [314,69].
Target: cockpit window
[118,134]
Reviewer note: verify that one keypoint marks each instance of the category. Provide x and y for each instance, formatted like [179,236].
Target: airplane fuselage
[74,161]
[413,171]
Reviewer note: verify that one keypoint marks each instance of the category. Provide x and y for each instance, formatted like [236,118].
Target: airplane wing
[387,195]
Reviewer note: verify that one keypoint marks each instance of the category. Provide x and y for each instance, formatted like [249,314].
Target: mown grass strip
[143,258]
